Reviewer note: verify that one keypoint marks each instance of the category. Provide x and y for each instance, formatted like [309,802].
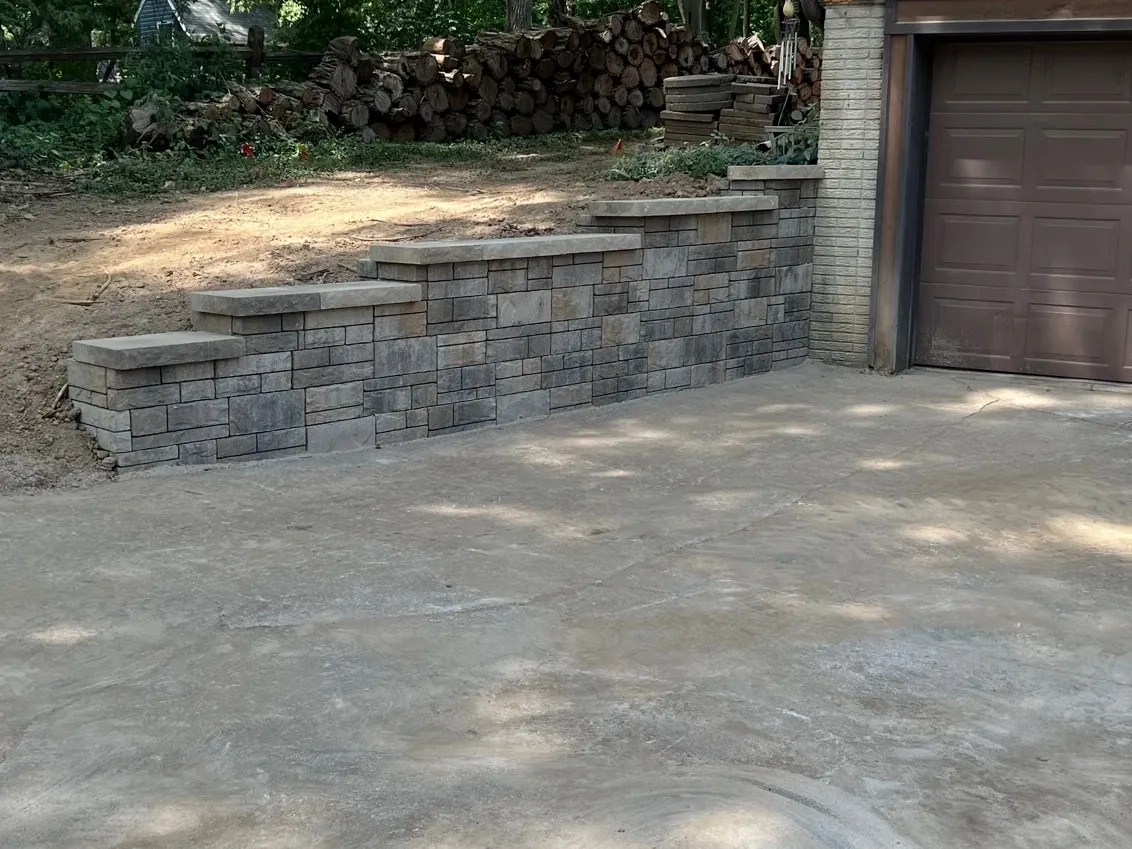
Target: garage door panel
[979,157]
[1069,247]
[983,79]
[1086,73]
[967,242]
[1026,261]
[1072,336]
[966,327]
[1081,158]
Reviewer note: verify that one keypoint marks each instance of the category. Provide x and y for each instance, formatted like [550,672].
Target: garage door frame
[910,53]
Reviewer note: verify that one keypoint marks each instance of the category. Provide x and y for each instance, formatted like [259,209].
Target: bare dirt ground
[142,256]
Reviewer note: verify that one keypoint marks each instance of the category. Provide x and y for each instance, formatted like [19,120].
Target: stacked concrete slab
[443,336]
[692,106]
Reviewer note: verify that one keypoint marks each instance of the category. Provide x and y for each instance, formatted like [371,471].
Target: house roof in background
[202,18]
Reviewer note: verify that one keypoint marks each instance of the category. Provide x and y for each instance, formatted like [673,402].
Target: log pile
[585,75]
[751,57]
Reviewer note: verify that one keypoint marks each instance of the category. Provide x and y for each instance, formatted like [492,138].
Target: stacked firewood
[585,75]
[750,56]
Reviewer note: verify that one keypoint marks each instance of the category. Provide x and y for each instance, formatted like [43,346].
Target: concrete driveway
[811,609]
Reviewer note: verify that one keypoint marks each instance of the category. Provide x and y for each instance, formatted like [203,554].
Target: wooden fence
[253,53]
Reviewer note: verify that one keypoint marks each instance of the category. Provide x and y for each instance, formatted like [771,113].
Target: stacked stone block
[447,336]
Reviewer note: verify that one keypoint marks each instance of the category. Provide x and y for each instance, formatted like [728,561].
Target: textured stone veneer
[445,336]
[849,150]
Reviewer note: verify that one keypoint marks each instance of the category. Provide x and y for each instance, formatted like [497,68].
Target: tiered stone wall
[445,336]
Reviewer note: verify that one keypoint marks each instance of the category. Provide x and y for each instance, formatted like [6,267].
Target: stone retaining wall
[445,336]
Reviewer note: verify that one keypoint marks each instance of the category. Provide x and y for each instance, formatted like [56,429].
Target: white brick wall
[852,100]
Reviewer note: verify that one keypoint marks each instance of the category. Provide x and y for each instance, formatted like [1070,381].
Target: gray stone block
[276,440]
[417,419]
[391,400]
[85,396]
[572,302]
[143,396]
[577,275]
[478,250]
[233,446]
[663,263]
[440,417]
[269,411]
[335,395]
[335,415]
[665,354]
[399,326]
[157,349]
[211,323]
[523,405]
[345,373]
[506,349]
[404,356]
[621,329]
[357,334]
[389,422]
[468,270]
[351,353]
[310,358]
[571,396]
[513,280]
[518,308]
[244,384]
[104,419]
[469,309]
[248,325]
[86,376]
[468,354]
[324,319]
[198,414]
[304,299]
[341,436]
[471,412]
[270,343]
[253,364]
[275,381]
[151,420]
[188,371]
[198,453]
[324,337]
[109,440]
[148,456]
[424,396]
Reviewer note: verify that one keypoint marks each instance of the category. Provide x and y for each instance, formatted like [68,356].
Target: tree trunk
[519,15]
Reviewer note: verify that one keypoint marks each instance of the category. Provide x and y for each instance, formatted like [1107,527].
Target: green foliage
[704,160]
[168,68]
[66,23]
[67,133]
[713,158]
[276,161]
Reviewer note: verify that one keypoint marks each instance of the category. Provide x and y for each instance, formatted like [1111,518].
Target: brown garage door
[1026,263]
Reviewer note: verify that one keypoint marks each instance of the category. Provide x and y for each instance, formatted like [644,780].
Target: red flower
[304,155]
[247,150]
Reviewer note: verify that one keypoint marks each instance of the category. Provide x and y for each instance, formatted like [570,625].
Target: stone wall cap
[157,349]
[681,206]
[276,300]
[479,250]
[775,172]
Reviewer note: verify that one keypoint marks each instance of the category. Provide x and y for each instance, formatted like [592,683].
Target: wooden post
[746,18]
[255,46]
